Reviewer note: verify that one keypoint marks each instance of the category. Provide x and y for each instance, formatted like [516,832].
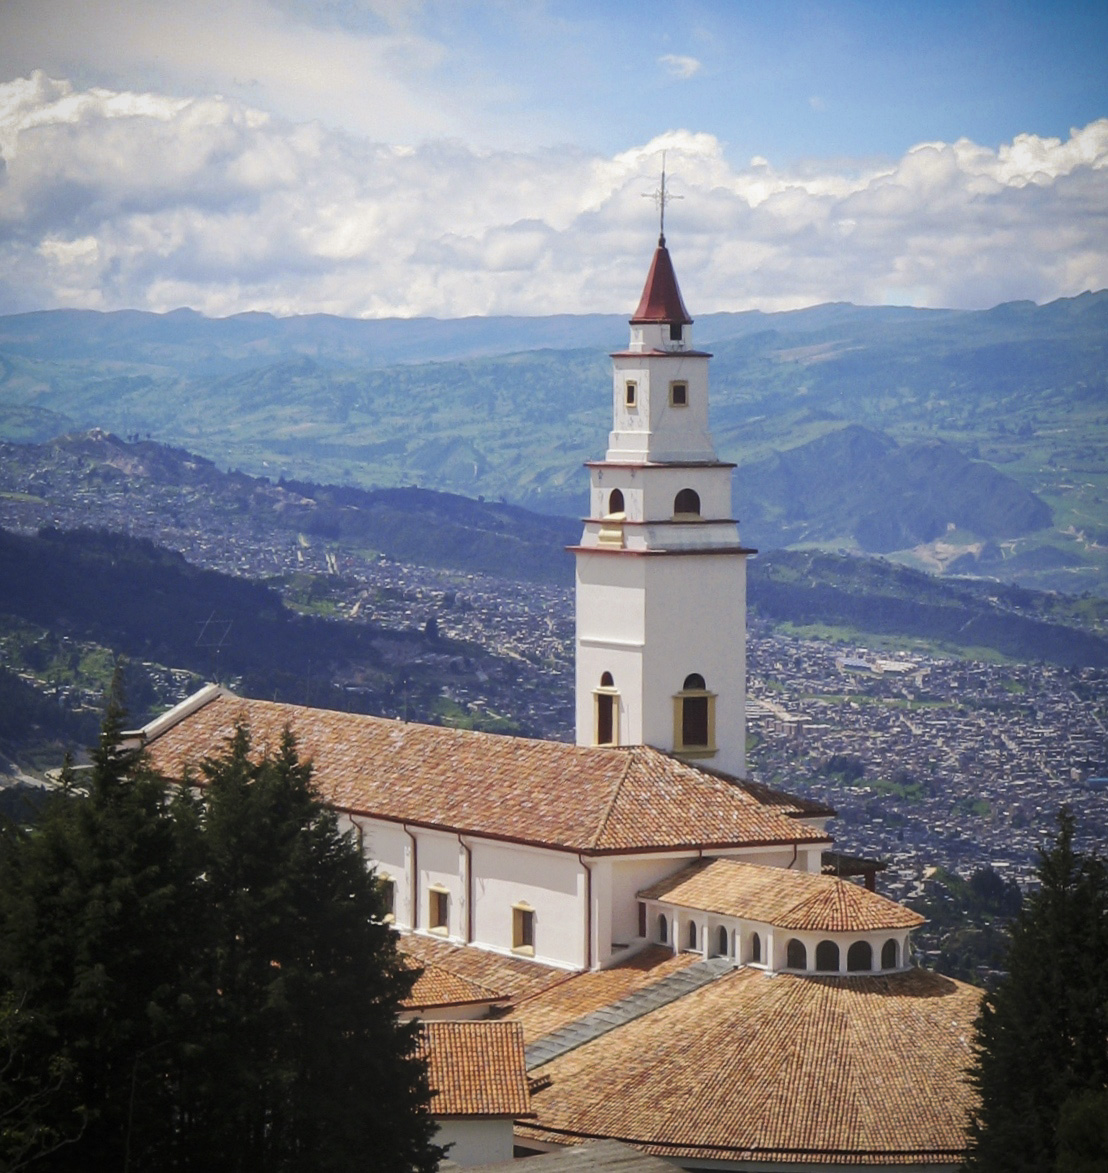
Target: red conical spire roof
[661,298]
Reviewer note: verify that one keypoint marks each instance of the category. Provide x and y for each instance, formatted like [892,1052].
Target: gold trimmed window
[630,394]
[606,712]
[438,909]
[523,928]
[694,718]
[679,394]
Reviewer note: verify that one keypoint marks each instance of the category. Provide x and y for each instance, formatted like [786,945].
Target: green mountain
[859,487]
[985,431]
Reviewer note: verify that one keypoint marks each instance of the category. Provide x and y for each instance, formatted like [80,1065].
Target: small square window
[523,929]
[630,394]
[678,394]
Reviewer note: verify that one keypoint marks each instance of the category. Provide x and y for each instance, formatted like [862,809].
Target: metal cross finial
[660,196]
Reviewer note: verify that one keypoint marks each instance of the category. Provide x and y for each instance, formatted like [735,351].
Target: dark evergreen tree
[202,982]
[90,961]
[306,1067]
[1042,1035]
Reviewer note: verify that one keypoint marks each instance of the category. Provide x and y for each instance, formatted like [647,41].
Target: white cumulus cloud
[111,199]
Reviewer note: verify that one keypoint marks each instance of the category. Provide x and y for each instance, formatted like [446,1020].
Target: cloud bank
[115,199]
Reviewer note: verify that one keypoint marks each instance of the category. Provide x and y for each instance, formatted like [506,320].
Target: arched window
[755,947]
[827,957]
[688,502]
[607,711]
[796,956]
[615,502]
[663,928]
[692,934]
[889,954]
[859,957]
[723,951]
[693,717]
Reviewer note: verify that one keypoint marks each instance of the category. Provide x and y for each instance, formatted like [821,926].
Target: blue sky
[380,157]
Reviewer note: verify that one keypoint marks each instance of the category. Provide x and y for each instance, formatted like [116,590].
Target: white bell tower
[661,574]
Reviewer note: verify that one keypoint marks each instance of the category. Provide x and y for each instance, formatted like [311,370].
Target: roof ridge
[598,838]
[642,1001]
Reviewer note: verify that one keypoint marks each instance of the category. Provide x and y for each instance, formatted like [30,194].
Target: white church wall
[549,882]
[631,876]
[389,849]
[440,867]
[475,1142]
[713,486]
[654,427]
[695,617]
[610,623]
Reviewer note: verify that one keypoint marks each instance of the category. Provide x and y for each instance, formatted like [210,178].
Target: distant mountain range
[958,441]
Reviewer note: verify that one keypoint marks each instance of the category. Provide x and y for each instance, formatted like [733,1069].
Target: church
[685,977]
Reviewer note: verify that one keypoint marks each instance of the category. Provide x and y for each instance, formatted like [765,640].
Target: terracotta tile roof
[437,986]
[544,1012]
[793,804]
[508,978]
[514,788]
[475,1068]
[756,1067]
[781,897]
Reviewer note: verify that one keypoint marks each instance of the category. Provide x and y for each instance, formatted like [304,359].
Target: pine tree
[308,1066]
[87,956]
[1042,1035]
[204,979]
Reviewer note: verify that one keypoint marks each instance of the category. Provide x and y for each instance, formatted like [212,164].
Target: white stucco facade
[475,1142]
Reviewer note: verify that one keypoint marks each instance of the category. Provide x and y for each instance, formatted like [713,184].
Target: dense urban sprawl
[929,761]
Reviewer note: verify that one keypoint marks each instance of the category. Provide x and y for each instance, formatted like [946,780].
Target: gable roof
[661,297]
[475,1068]
[509,978]
[781,897]
[591,799]
[785,1068]
[437,987]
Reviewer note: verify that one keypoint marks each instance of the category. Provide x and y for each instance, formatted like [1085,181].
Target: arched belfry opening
[686,503]
[607,711]
[694,716]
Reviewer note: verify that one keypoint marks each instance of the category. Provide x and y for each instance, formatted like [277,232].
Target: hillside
[859,487]
[232,520]
[998,417]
